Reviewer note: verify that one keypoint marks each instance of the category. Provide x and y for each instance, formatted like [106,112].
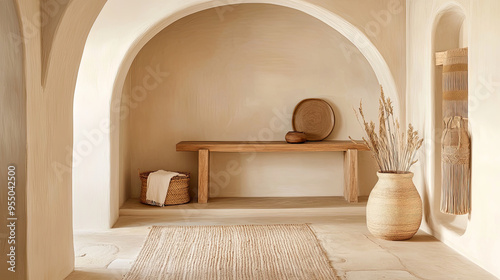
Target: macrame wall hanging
[455,141]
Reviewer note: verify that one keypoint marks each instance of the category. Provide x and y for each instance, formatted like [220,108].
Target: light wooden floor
[339,226]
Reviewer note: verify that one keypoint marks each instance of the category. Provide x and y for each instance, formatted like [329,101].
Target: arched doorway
[113,43]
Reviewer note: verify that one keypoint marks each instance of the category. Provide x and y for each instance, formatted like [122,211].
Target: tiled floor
[339,226]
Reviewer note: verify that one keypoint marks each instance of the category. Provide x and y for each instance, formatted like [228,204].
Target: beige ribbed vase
[394,209]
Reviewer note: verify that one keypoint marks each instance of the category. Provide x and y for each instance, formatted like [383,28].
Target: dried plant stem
[393,149]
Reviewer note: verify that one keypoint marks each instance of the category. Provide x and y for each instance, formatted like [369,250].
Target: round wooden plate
[314,117]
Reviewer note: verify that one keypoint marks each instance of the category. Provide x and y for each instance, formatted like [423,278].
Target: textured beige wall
[239,79]
[384,23]
[476,235]
[12,141]
[51,13]
[49,138]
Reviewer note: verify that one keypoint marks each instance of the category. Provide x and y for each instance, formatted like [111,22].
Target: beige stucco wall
[12,143]
[51,14]
[50,253]
[239,78]
[475,236]
[384,23]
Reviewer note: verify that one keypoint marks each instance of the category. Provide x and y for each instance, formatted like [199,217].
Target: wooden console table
[204,148]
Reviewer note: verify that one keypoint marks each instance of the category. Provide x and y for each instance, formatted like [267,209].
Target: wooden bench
[204,148]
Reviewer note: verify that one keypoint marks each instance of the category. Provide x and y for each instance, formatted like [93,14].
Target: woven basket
[178,190]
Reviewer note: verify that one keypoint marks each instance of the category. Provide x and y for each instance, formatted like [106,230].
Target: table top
[271,146]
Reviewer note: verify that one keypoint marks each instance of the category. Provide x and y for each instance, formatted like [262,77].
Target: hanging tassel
[455,160]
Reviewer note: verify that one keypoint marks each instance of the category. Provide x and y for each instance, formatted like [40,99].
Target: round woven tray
[178,190]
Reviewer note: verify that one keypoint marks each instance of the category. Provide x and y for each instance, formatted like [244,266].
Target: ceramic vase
[394,209]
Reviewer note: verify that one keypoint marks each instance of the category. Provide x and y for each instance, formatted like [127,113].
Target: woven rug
[232,252]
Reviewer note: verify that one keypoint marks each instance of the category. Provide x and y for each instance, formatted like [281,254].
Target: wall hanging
[455,141]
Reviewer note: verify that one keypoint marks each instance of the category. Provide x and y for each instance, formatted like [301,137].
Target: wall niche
[239,79]
[452,142]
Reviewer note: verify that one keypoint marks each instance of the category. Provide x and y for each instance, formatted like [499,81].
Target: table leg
[351,175]
[203,175]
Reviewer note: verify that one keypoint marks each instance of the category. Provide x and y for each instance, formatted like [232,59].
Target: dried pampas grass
[393,149]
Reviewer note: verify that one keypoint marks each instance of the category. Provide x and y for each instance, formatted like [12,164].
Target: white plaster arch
[119,33]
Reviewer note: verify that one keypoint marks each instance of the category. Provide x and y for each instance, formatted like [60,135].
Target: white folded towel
[158,183]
